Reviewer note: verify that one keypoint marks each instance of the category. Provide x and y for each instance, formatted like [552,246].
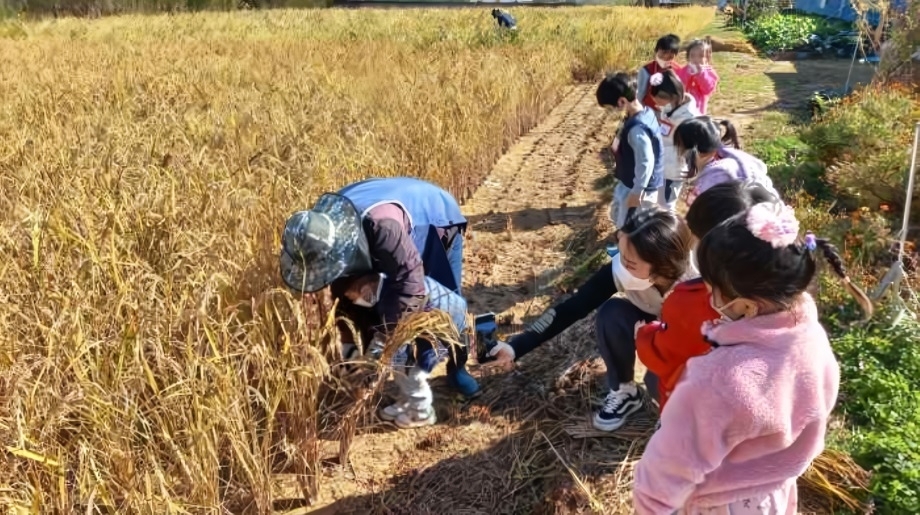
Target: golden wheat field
[148,359]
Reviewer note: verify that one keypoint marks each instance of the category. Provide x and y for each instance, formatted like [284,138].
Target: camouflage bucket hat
[323,244]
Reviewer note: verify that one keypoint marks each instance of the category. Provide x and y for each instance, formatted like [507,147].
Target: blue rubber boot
[457,376]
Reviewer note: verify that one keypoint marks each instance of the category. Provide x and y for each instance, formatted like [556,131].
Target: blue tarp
[840,9]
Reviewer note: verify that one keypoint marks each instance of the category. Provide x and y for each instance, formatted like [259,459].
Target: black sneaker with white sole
[618,405]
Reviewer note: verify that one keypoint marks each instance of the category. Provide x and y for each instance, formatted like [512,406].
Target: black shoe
[618,405]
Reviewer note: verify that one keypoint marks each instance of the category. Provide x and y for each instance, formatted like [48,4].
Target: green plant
[880,397]
[864,141]
[779,151]
[780,32]
[790,167]
[822,101]
[807,176]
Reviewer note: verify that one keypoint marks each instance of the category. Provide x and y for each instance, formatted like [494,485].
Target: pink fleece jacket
[744,418]
[699,81]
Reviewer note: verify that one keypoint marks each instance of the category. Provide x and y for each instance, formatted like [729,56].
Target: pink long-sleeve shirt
[700,84]
[745,418]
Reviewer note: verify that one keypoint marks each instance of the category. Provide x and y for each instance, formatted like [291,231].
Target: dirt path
[541,212]
[535,215]
[539,209]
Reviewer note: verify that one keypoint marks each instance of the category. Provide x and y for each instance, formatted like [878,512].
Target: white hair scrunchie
[774,223]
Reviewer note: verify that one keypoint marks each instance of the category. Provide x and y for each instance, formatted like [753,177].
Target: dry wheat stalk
[145,351]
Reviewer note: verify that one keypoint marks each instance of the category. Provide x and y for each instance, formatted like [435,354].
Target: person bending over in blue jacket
[504,19]
[404,228]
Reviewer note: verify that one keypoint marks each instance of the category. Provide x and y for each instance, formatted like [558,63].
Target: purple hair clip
[811,242]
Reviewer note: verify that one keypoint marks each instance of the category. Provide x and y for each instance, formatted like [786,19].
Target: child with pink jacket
[747,418]
[699,78]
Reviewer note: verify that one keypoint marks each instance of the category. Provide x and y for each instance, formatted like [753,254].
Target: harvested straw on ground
[834,481]
[434,325]
[732,45]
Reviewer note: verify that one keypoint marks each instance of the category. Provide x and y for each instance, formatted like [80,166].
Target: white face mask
[721,310]
[627,279]
[375,297]
[662,63]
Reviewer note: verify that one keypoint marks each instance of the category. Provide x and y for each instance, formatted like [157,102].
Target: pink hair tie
[774,223]
[656,79]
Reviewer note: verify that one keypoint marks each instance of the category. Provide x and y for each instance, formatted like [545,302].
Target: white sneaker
[618,405]
[412,419]
[391,412]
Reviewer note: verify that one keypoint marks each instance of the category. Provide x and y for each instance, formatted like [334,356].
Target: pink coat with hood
[699,81]
[744,419]
[730,164]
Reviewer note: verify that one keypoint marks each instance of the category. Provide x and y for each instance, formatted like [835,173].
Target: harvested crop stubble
[146,362]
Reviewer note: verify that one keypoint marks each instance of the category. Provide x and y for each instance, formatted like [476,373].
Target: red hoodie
[665,346]
[650,69]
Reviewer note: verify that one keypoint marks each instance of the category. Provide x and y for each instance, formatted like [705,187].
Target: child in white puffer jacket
[675,106]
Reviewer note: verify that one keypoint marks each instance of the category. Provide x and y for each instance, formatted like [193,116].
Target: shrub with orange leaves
[865,141]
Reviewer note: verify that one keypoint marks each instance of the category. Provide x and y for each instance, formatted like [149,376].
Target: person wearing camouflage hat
[413,406]
[404,228]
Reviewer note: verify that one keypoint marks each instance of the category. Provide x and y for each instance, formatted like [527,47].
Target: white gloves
[503,348]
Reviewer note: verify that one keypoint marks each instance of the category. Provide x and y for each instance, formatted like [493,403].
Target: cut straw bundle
[434,326]
[835,481]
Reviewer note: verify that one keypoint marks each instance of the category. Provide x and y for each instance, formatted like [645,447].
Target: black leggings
[594,292]
[616,341]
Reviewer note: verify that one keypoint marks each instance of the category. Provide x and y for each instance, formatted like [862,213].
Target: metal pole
[846,88]
[911,175]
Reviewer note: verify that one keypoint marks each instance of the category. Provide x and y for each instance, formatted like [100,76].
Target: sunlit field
[148,359]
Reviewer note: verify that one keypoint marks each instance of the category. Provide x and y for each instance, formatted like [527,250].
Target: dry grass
[740,46]
[147,362]
[833,482]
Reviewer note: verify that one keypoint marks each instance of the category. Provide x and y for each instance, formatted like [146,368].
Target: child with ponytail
[665,345]
[748,417]
[700,143]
